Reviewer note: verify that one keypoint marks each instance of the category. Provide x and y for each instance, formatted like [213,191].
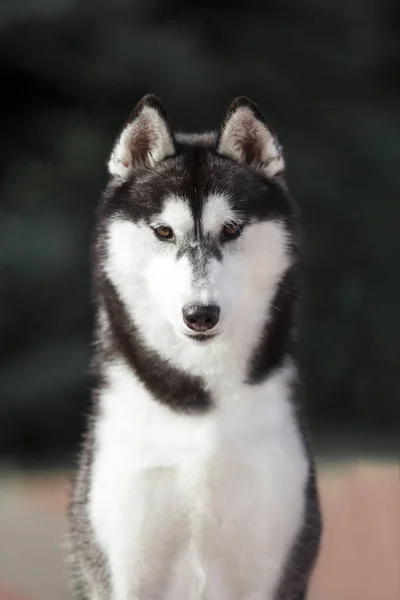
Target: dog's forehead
[186,190]
[210,210]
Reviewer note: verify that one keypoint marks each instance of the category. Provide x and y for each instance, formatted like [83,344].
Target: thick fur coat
[196,479]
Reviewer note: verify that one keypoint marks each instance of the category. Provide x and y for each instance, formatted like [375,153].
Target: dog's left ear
[145,139]
[246,137]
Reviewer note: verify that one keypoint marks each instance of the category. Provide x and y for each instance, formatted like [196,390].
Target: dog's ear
[246,137]
[145,139]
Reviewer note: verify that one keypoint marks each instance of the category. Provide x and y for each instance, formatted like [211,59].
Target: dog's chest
[201,508]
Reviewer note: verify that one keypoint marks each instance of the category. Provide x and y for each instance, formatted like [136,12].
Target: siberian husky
[196,479]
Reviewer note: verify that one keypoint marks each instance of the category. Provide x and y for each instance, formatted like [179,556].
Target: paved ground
[360,558]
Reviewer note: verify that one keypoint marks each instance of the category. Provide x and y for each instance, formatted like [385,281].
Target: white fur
[243,126]
[197,507]
[176,214]
[217,212]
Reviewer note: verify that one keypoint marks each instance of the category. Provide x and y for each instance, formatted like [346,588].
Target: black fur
[169,385]
[279,339]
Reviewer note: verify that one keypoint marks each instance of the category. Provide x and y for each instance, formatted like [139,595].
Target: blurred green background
[326,74]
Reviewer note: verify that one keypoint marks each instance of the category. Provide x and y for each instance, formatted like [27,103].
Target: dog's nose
[201,318]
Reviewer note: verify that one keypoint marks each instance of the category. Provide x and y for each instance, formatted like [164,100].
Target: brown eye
[164,233]
[231,231]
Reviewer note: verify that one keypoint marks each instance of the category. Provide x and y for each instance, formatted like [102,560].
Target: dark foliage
[327,76]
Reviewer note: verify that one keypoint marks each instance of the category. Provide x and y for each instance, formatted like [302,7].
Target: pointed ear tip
[150,100]
[149,96]
[243,102]
[147,101]
[236,103]
[240,100]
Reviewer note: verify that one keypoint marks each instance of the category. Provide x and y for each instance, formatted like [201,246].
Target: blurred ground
[360,558]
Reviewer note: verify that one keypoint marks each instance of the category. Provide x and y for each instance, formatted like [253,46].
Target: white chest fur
[197,507]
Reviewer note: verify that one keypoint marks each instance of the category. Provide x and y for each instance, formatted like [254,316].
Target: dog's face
[197,232]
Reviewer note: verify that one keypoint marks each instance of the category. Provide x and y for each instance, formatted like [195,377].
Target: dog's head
[197,231]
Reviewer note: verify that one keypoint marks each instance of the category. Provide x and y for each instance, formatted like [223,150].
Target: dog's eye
[164,233]
[231,231]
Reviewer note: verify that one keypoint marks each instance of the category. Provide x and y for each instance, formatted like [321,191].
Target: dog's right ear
[145,140]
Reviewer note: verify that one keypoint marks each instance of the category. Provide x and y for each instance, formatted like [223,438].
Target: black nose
[201,318]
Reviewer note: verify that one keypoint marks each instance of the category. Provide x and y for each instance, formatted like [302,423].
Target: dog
[196,478]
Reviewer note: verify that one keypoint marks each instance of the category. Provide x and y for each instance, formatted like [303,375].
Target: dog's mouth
[201,338]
